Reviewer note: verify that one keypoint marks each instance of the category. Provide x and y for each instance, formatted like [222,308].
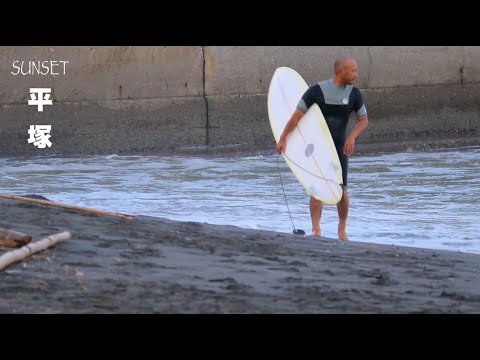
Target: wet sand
[152,265]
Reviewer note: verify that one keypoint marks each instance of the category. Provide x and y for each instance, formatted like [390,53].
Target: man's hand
[281,146]
[349,146]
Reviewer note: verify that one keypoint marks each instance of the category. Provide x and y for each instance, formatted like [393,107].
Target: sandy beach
[152,265]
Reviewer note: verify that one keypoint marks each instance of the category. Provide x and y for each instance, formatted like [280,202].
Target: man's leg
[342,208]
[316,207]
[344,203]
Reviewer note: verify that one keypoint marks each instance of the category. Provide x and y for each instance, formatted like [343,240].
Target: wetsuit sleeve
[307,99]
[358,105]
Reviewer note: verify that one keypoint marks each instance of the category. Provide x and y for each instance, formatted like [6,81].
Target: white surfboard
[310,152]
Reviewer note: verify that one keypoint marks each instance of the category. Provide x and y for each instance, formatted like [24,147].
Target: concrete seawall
[134,100]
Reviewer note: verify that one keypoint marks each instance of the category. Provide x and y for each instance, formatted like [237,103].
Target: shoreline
[155,265]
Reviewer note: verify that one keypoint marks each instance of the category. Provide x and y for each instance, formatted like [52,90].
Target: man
[337,98]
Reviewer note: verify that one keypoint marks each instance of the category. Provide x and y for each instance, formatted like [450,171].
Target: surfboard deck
[310,151]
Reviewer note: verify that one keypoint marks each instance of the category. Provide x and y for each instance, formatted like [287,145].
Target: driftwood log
[13,239]
[66,206]
[32,248]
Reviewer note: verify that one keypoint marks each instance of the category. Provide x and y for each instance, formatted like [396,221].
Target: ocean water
[428,199]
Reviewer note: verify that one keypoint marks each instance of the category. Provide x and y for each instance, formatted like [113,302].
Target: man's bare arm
[349,146]
[291,124]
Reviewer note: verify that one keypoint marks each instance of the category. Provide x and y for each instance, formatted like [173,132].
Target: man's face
[349,72]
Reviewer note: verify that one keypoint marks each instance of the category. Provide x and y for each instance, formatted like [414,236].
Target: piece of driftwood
[66,206]
[13,239]
[32,248]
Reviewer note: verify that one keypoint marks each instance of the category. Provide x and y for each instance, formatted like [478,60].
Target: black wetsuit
[337,103]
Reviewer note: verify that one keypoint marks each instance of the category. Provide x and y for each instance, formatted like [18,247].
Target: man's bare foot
[342,234]
[316,232]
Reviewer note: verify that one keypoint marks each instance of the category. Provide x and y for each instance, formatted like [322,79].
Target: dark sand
[151,265]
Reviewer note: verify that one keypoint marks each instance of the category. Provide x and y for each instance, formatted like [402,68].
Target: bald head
[341,62]
[345,70]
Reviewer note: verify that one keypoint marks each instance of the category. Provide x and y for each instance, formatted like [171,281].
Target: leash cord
[284,194]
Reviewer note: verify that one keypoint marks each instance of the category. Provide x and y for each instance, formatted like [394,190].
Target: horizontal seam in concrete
[200,97]
[225,95]
[416,86]
[362,88]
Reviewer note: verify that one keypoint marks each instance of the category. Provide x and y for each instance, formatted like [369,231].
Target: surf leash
[295,230]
